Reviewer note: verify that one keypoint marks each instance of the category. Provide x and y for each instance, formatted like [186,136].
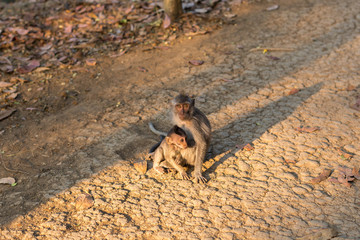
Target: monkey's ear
[173,102]
[168,140]
[192,102]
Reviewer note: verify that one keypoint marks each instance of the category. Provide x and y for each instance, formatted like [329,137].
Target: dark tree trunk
[173,8]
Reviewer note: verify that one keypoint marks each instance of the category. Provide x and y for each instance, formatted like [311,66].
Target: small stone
[83,202]
[268,137]
[243,166]
[141,166]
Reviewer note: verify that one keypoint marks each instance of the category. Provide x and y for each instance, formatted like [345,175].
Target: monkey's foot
[200,179]
[185,176]
[160,170]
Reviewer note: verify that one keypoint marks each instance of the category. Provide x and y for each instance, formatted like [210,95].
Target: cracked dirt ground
[265,193]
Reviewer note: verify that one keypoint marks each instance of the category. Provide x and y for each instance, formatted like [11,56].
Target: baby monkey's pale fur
[168,154]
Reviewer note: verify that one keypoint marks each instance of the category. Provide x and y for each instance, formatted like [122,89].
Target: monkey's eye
[178,106]
[181,140]
[186,106]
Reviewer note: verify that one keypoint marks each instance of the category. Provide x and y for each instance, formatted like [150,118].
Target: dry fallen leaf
[272,8]
[202,10]
[191,34]
[18,79]
[83,202]
[68,28]
[229,15]
[245,146]
[346,176]
[344,154]
[120,53]
[6,113]
[42,69]
[350,87]
[129,9]
[167,21]
[142,69]
[196,62]
[7,68]
[90,62]
[4,60]
[323,176]
[355,173]
[22,31]
[29,67]
[46,47]
[293,91]
[5,84]
[356,105]
[303,129]
[141,166]
[13,95]
[8,180]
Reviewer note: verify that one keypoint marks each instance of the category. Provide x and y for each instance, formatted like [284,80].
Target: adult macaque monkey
[198,131]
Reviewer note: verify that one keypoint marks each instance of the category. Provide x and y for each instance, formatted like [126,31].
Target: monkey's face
[181,142]
[183,111]
[177,140]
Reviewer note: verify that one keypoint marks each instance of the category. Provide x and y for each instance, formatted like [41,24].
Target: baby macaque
[168,154]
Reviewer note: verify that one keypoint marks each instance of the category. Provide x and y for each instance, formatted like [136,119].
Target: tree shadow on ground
[260,121]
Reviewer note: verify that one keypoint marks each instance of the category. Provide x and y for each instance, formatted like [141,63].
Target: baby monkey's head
[177,137]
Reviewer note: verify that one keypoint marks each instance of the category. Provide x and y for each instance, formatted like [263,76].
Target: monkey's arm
[174,162]
[158,157]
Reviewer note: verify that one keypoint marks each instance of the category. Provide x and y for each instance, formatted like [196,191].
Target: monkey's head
[183,106]
[177,137]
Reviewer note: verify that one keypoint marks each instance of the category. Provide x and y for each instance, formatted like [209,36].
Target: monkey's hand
[199,178]
[160,170]
[185,176]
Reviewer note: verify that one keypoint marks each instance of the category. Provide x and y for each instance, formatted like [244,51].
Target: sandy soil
[95,127]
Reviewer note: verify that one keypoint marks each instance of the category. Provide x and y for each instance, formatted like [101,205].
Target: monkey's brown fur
[198,131]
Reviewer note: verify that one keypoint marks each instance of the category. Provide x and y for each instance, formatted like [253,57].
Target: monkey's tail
[157,132]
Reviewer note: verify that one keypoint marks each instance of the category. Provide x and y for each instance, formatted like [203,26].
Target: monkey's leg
[200,155]
[158,157]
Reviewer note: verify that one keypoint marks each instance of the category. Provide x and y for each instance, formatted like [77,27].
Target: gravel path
[263,193]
